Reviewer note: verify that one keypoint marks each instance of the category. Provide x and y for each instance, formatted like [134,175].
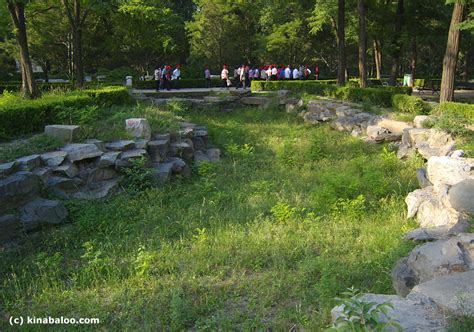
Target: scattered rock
[67,169]
[158,150]
[403,277]
[29,163]
[141,144]
[41,212]
[162,137]
[99,190]
[214,155]
[449,170]
[461,196]
[121,145]
[78,152]
[54,159]
[9,168]
[422,178]
[453,292]
[100,144]
[163,172]
[182,149]
[64,187]
[138,128]
[18,189]
[393,126]
[65,133]
[457,154]
[255,101]
[420,120]
[108,159]
[200,157]
[437,233]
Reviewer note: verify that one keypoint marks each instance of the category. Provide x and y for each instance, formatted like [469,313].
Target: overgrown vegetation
[19,116]
[290,217]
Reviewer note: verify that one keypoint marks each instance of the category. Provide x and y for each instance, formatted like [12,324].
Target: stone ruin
[437,279]
[91,170]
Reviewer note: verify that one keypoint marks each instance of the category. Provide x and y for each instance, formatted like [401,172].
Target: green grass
[290,217]
[29,146]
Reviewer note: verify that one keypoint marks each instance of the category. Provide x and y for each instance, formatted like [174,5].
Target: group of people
[164,75]
[245,74]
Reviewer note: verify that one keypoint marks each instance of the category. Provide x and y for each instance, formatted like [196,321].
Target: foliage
[208,252]
[137,176]
[19,116]
[409,104]
[455,118]
[375,96]
[186,83]
[35,144]
[359,314]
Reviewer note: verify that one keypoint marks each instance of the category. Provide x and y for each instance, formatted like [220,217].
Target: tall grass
[266,238]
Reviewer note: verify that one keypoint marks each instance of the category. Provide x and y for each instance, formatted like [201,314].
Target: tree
[77,17]
[341,40]
[397,43]
[29,88]
[451,54]
[362,43]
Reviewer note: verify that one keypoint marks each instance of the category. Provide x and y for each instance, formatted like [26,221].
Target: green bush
[381,96]
[20,116]
[187,83]
[455,117]
[409,104]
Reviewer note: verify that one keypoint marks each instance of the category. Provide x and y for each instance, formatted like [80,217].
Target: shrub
[455,117]
[377,96]
[408,104]
[20,116]
[187,83]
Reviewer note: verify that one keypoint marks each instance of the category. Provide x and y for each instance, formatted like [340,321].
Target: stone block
[41,212]
[65,133]
[138,128]
[78,152]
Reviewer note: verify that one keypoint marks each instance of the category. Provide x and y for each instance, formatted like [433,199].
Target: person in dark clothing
[207,76]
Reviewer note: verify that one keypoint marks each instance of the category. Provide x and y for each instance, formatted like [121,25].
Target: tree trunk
[378,58]
[77,55]
[362,44]
[341,79]
[451,54]
[397,43]
[29,88]
[414,60]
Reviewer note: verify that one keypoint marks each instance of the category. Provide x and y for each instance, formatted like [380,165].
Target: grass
[290,217]
[25,147]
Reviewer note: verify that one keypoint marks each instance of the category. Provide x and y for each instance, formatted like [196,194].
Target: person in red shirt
[316,73]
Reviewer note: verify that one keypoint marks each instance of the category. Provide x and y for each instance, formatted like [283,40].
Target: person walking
[167,78]
[225,77]
[242,77]
[296,74]
[207,76]
[176,76]
[288,73]
[263,74]
[256,74]
[158,75]
[316,73]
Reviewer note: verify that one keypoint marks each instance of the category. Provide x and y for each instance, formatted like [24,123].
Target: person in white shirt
[263,74]
[176,73]
[158,76]
[225,77]
[287,72]
[269,73]
[296,74]
[274,73]
[242,77]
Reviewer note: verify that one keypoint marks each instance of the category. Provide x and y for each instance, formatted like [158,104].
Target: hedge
[20,116]
[187,83]
[457,110]
[381,96]
[47,87]
[409,104]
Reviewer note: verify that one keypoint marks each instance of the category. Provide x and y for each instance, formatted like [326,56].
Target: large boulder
[29,163]
[41,212]
[65,133]
[414,315]
[158,150]
[433,259]
[67,169]
[394,126]
[138,128]
[461,196]
[7,169]
[255,101]
[108,159]
[126,157]
[78,152]
[54,158]
[64,187]
[163,172]
[121,145]
[99,190]
[452,292]
[450,171]
[18,189]
[183,149]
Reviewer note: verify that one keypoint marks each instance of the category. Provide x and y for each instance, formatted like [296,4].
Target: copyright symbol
[16,321]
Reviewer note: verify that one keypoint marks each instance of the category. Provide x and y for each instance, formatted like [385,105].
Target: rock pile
[91,170]
[437,278]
